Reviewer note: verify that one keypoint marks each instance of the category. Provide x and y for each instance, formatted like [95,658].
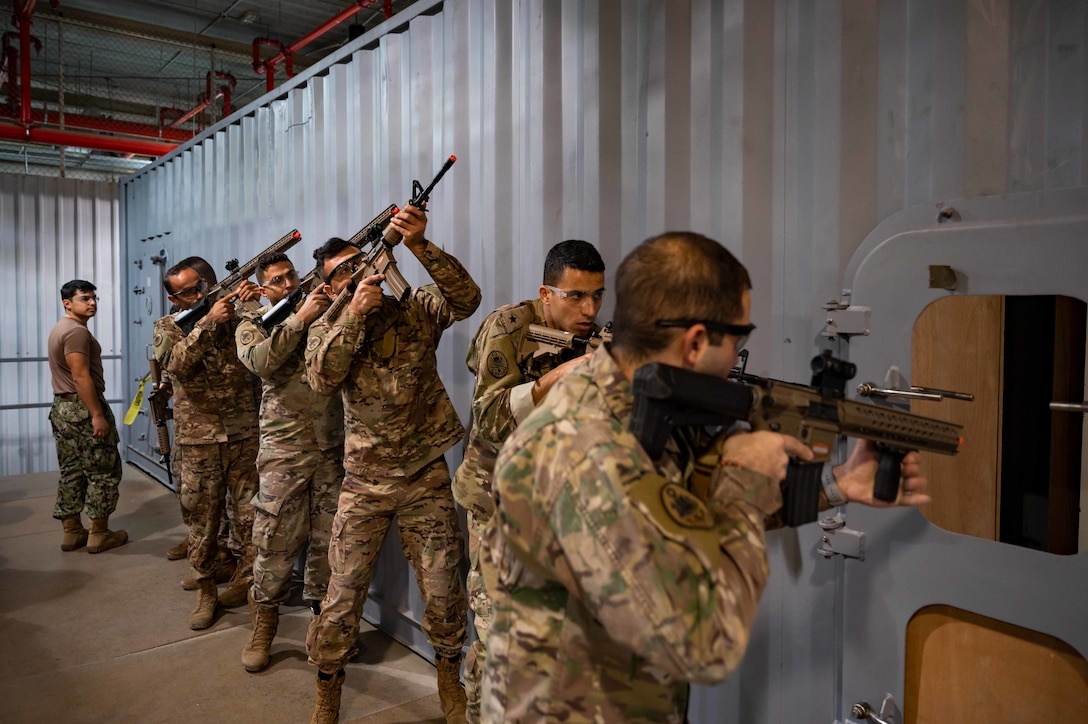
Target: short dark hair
[328,250]
[704,281]
[196,263]
[76,285]
[571,254]
[268,259]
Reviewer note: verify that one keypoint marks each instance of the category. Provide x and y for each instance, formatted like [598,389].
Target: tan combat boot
[181,550]
[225,565]
[237,590]
[75,535]
[204,614]
[327,710]
[101,538]
[266,620]
[451,693]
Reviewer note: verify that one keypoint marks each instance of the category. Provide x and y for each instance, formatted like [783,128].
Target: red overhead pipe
[267,67]
[206,98]
[98,142]
[127,128]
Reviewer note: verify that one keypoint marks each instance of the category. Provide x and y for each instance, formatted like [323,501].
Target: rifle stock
[283,309]
[188,318]
[667,397]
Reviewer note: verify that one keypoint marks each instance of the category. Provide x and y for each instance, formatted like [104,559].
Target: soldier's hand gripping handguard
[187,319]
[666,397]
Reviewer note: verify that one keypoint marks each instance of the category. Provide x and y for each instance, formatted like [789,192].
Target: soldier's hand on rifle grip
[314,306]
[247,291]
[411,224]
[368,296]
[857,476]
[763,452]
[223,309]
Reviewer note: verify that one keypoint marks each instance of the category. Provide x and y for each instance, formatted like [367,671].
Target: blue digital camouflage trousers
[208,472]
[430,536]
[90,468]
[294,507]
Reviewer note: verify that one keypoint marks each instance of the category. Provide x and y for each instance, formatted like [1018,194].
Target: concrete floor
[106,638]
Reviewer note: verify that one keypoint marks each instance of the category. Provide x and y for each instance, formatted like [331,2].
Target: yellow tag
[137,402]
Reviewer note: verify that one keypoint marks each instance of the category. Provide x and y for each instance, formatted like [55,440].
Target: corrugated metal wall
[51,231]
[786,129]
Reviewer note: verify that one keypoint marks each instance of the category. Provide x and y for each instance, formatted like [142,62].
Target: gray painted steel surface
[789,130]
[51,231]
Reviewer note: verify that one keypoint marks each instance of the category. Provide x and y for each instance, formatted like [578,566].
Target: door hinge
[837,539]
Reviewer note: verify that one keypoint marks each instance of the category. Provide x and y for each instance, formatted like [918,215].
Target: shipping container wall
[51,231]
[787,129]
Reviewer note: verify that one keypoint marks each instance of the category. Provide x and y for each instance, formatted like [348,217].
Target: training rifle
[188,318]
[540,340]
[666,397]
[379,260]
[161,411]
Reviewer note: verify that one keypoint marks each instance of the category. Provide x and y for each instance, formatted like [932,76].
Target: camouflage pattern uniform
[400,421]
[300,462]
[614,585]
[502,399]
[90,468]
[215,429]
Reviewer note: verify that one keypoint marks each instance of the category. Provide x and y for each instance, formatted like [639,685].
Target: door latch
[839,540]
[863,713]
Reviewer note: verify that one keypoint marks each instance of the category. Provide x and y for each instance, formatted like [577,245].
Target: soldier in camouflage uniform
[83,426]
[380,353]
[215,427]
[617,579]
[301,458]
[510,381]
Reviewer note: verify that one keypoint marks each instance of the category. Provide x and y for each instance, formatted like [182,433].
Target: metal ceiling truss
[119,89]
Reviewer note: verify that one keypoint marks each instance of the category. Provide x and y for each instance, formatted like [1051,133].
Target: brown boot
[237,590]
[181,550]
[266,619]
[327,710]
[224,571]
[204,614]
[101,538]
[451,693]
[75,535]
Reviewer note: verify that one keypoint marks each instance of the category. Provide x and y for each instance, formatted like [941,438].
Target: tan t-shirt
[67,337]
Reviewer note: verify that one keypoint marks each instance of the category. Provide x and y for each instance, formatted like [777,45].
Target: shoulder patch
[685,508]
[246,337]
[157,339]
[497,364]
[313,343]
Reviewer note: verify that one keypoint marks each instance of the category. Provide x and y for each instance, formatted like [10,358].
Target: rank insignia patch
[497,364]
[685,508]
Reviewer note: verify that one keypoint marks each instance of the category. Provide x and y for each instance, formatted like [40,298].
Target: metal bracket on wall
[863,713]
[839,540]
[845,320]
